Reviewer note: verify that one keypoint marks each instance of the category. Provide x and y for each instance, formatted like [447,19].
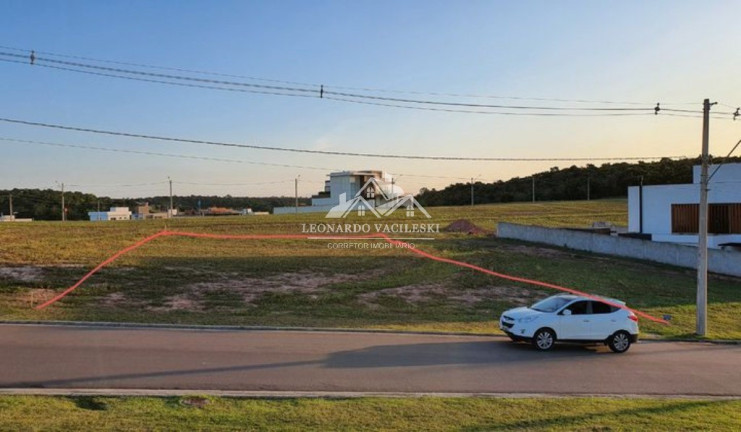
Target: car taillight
[633,317]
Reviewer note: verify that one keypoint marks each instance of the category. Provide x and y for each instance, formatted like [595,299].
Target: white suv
[571,318]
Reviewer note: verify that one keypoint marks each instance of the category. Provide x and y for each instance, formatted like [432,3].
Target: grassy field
[307,283]
[31,413]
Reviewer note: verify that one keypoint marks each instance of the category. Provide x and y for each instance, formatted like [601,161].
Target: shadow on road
[483,352]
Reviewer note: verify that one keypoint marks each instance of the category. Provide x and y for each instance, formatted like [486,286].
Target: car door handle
[586,320]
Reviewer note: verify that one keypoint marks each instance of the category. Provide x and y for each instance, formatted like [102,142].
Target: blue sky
[663,51]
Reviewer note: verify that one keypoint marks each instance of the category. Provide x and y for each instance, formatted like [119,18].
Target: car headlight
[527,319]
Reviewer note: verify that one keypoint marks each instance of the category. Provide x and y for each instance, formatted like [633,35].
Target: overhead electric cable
[180,84]
[505,113]
[322,152]
[179,156]
[316,85]
[326,93]
[289,91]
[205,158]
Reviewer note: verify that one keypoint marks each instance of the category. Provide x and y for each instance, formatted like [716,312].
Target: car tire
[619,342]
[544,339]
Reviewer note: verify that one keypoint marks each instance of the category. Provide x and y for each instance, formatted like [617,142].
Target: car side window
[578,308]
[602,308]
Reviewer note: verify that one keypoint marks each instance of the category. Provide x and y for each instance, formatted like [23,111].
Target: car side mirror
[566,312]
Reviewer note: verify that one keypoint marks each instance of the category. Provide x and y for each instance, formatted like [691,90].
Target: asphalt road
[114,358]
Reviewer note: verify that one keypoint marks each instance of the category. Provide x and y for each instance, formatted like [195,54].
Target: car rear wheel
[619,342]
[544,339]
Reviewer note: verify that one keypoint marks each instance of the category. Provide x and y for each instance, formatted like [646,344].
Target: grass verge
[30,413]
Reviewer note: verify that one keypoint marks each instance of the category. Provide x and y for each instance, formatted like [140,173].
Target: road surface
[69,357]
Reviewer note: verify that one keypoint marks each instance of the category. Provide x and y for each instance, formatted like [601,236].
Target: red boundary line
[424,254]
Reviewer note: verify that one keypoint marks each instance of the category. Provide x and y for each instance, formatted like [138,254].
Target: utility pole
[295,191]
[471,191]
[64,210]
[98,210]
[10,197]
[171,212]
[702,244]
[588,188]
[533,188]
[640,206]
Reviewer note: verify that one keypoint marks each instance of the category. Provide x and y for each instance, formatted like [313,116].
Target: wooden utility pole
[10,198]
[171,213]
[64,210]
[471,191]
[295,192]
[702,244]
[533,188]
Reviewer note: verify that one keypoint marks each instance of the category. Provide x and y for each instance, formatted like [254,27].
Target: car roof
[572,297]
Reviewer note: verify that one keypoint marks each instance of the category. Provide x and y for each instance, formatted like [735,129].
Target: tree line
[46,204]
[610,180]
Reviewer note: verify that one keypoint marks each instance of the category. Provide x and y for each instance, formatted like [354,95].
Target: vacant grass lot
[307,283]
[29,413]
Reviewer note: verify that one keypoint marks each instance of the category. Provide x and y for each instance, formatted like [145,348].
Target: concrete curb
[128,325]
[331,395]
[104,324]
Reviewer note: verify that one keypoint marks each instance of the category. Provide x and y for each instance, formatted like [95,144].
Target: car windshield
[551,304]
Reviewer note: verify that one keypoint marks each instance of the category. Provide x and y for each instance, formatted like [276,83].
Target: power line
[149,153]
[180,84]
[316,85]
[116,185]
[524,114]
[205,158]
[294,91]
[472,105]
[342,99]
[323,152]
[234,184]
[325,92]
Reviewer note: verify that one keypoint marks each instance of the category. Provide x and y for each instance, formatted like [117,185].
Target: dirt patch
[464,226]
[252,289]
[178,302]
[515,295]
[115,299]
[421,293]
[23,274]
[36,296]
[412,294]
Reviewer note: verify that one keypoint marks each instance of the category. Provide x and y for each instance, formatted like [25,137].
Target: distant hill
[610,180]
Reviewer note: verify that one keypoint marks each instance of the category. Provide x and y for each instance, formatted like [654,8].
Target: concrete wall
[730,172]
[719,261]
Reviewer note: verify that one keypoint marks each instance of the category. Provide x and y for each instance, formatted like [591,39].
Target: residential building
[143,211]
[670,213]
[115,213]
[376,187]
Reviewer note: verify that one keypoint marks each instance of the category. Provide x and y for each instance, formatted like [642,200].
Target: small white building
[344,186]
[670,213]
[115,213]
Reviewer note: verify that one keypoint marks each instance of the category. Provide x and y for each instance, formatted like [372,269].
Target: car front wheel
[544,339]
[619,342]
